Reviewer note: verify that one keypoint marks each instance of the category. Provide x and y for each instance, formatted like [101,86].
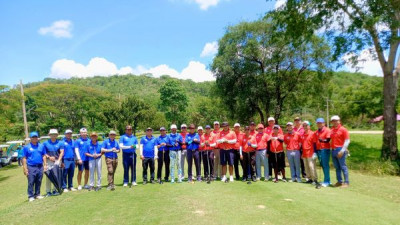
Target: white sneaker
[79,187]
[258,179]
[86,187]
[223,179]
[31,199]
[134,184]
[125,185]
[72,189]
[39,197]
[65,190]
[231,179]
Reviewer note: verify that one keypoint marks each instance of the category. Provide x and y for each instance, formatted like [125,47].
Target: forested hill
[76,102]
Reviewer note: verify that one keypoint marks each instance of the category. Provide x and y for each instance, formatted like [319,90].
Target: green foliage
[173,101]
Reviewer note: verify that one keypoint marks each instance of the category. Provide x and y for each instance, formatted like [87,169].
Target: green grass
[371,199]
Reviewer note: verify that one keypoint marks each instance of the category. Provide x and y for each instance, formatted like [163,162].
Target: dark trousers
[303,170]
[35,175]
[249,163]
[69,169]
[129,163]
[236,161]
[19,161]
[208,163]
[163,157]
[193,154]
[148,162]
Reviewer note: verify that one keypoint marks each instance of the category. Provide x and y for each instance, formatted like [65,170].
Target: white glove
[314,156]
[57,162]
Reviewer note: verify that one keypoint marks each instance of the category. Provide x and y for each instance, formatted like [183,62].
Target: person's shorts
[277,160]
[85,165]
[226,157]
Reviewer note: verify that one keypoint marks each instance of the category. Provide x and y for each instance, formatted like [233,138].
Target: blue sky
[61,39]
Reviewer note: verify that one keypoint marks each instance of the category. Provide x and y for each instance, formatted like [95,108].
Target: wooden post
[24,110]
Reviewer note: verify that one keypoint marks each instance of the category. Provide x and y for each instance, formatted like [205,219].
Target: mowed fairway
[369,200]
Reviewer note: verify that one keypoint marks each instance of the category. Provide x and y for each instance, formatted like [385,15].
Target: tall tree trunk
[390,87]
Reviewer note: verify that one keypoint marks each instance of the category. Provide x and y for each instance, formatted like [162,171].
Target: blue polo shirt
[34,154]
[82,145]
[128,140]
[52,148]
[108,144]
[189,139]
[93,148]
[162,139]
[148,146]
[175,139]
[68,147]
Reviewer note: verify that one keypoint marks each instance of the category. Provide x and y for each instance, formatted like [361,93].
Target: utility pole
[327,112]
[24,110]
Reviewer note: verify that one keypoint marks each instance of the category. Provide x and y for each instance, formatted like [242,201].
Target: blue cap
[33,134]
[320,120]
[208,127]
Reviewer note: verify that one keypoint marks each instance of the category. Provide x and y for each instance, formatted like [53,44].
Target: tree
[258,67]
[357,28]
[173,101]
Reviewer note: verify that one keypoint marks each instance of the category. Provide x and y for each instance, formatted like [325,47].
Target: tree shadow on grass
[9,167]
[359,153]
[3,178]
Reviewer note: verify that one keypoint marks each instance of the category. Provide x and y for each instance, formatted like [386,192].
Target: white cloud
[279,3]
[209,49]
[66,68]
[205,4]
[58,29]
[368,64]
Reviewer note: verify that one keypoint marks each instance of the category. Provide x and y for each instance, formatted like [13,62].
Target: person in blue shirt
[93,155]
[163,155]
[34,163]
[192,142]
[148,152]
[110,148]
[54,155]
[128,144]
[67,144]
[81,145]
[175,152]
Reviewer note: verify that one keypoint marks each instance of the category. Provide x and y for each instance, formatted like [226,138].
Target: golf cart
[15,145]
[5,156]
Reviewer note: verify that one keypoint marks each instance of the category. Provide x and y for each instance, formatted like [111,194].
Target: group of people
[218,149]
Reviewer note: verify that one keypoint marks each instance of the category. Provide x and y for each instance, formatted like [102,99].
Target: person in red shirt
[207,145]
[261,152]
[340,141]
[183,133]
[226,141]
[268,130]
[292,141]
[323,137]
[236,148]
[247,155]
[276,153]
[217,166]
[298,127]
[308,144]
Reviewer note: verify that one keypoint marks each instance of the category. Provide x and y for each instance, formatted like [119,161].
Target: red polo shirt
[292,141]
[338,136]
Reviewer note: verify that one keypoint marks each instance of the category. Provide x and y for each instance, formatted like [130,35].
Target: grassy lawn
[371,199]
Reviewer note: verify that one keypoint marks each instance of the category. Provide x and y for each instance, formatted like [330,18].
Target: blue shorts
[227,157]
[85,165]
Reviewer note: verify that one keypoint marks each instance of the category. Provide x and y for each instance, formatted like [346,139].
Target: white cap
[68,132]
[113,132]
[183,125]
[289,123]
[271,119]
[216,122]
[200,128]
[236,125]
[173,126]
[335,117]
[307,122]
[53,131]
[83,130]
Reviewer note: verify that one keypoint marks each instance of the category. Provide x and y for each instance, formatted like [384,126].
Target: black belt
[38,165]
[70,159]
[261,150]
